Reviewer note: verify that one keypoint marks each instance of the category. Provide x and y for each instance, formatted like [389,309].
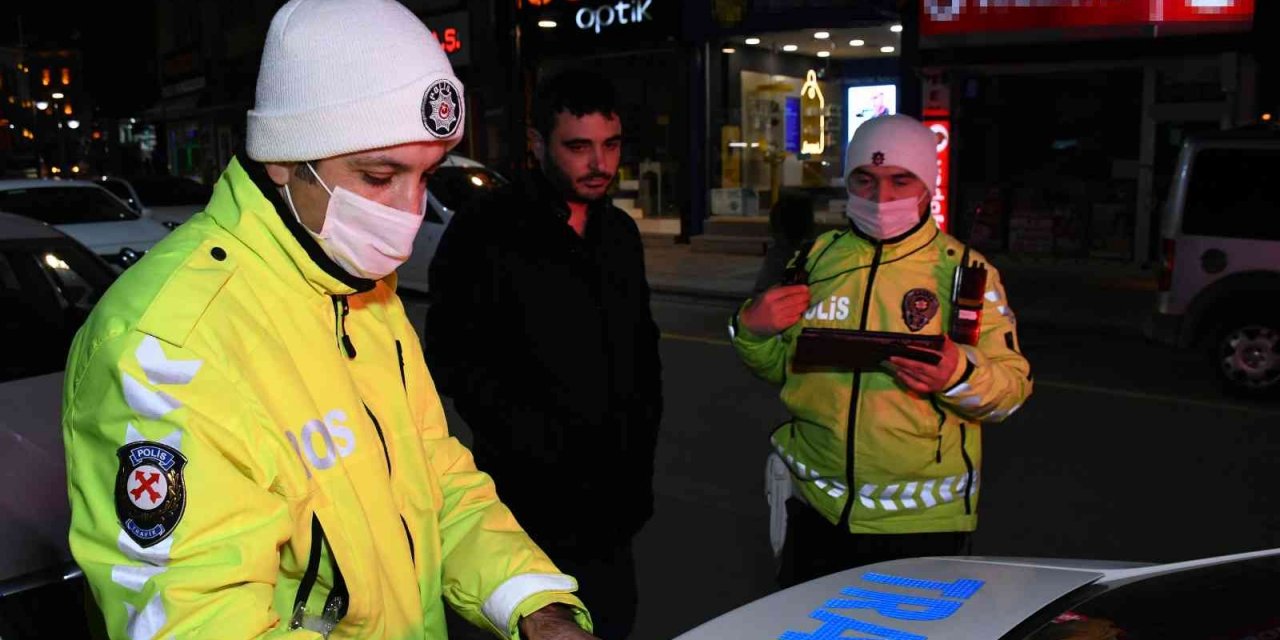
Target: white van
[1220,278]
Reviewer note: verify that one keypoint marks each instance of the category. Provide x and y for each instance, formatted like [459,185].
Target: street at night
[1127,451]
[640,319]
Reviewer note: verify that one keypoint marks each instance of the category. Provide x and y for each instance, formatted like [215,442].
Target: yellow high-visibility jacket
[861,446]
[252,437]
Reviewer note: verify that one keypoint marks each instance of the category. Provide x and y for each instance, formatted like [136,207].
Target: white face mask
[884,220]
[366,238]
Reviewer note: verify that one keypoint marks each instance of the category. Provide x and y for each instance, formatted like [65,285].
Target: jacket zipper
[381,438]
[400,357]
[340,309]
[413,556]
[968,467]
[942,419]
[338,597]
[853,396]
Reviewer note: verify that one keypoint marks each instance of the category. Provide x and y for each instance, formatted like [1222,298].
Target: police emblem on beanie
[919,306]
[877,158]
[441,109]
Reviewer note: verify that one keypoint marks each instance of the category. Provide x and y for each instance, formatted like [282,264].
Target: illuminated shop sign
[593,16]
[605,16]
[954,17]
[813,116]
[941,127]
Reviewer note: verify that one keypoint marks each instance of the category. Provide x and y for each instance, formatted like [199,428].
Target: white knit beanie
[895,141]
[340,76]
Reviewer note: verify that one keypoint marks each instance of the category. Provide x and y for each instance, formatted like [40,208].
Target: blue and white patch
[150,492]
[442,109]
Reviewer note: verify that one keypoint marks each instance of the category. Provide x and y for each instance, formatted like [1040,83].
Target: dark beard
[562,182]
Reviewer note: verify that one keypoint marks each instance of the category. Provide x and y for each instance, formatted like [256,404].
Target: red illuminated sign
[449,41]
[941,127]
[952,17]
[452,31]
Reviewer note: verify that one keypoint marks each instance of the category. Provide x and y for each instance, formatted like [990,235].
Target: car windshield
[171,191]
[65,205]
[456,187]
[47,288]
[117,189]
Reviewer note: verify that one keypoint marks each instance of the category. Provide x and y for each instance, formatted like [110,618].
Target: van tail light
[1166,265]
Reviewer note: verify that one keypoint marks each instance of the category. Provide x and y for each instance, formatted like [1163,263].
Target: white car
[87,212]
[992,598]
[453,186]
[48,284]
[169,200]
[1220,280]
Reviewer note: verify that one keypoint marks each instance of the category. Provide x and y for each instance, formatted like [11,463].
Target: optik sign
[605,16]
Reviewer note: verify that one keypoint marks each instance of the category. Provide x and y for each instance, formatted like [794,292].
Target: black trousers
[815,548]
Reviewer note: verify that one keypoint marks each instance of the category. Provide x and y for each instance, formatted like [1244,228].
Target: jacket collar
[248,204]
[910,241]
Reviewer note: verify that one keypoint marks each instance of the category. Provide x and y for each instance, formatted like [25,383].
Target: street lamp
[58,95]
[73,124]
[41,105]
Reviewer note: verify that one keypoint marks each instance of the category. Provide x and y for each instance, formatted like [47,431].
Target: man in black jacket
[540,330]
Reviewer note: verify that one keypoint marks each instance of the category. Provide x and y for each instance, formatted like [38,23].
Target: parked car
[170,200]
[453,187]
[992,598]
[86,212]
[48,284]
[1220,279]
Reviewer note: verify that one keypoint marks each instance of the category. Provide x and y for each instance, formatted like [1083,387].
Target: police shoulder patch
[442,109]
[919,306]
[150,493]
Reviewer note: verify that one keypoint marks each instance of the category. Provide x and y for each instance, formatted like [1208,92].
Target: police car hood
[971,598]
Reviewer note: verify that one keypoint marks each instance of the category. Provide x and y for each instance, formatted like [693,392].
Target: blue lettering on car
[892,605]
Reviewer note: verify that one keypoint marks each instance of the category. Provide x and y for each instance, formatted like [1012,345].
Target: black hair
[578,91]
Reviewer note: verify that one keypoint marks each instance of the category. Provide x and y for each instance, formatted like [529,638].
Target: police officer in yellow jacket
[881,463]
[254,444]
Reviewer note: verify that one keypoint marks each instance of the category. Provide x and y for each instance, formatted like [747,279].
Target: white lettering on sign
[611,14]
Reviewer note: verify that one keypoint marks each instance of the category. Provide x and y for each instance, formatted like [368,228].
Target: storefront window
[783,106]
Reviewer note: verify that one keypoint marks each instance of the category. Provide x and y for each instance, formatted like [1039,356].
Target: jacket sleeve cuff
[523,594]
[739,333]
[962,373]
